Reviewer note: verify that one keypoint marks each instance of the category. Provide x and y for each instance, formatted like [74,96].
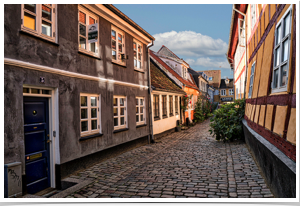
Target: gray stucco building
[76,88]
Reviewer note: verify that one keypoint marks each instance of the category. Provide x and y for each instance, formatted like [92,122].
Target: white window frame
[280,46]
[135,57]
[251,80]
[89,118]
[210,78]
[117,60]
[138,106]
[230,91]
[223,91]
[87,23]
[242,37]
[38,22]
[171,105]
[118,106]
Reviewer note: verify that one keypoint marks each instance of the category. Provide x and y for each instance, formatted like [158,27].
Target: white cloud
[209,63]
[190,43]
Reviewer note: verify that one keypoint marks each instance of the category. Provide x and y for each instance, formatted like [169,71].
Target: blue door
[36,129]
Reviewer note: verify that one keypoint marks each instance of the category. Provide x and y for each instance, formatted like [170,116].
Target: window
[156,106]
[119,103]
[183,72]
[87,25]
[230,91]
[282,52]
[237,93]
[137,53]
[210,78]
[253,16]
[90,114]
[39,20]
[251,80]
[164,106]
[176,104]
[223,92]
[118,45]
[139,110]
[242,39]
[171,105]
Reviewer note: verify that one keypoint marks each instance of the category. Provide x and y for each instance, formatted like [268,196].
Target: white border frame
[125,112]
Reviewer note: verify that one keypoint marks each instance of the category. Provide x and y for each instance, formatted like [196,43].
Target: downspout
[246,68]
[150,137]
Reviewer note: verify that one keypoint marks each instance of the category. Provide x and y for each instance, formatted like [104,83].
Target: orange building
[177,70]
[270,89]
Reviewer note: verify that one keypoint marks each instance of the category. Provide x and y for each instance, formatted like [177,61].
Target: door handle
[48,141]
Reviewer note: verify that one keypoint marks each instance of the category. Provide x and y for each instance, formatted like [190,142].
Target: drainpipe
[246,68]
[150,137]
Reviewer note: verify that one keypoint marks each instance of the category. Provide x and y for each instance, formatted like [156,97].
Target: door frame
[53,104]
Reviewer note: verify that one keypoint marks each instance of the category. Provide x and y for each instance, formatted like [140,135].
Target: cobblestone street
[186,164]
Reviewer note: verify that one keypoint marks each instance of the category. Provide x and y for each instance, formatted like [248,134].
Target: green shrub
[202,109]
[226,125]
[214,106]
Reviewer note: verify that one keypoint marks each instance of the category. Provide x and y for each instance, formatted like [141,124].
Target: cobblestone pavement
[186,164]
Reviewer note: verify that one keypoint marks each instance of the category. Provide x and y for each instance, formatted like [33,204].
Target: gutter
[150,137]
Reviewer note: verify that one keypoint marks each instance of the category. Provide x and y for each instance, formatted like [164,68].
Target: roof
[223,84]
[173,54]
[186,82]
[161,82]
[128,20]
[216,74]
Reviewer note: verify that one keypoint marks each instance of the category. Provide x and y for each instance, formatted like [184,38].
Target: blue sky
[197,33]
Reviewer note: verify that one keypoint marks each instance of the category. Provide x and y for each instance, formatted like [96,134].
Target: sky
[195,32]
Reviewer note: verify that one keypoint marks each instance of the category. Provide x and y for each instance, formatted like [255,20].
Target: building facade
[270,114]
[74,76]
[226,91]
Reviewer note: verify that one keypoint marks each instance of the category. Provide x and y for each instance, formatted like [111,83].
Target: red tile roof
[186,82]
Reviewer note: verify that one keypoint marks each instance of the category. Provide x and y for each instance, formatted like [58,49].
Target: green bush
[202,109]
[226,125]
[214,106]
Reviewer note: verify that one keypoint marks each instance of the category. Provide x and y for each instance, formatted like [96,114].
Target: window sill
[156,118]
[142,125]
[171,115]
[139,70]
[90,54]
[27,32]
[117,63]
[164,117]
[120,130]
[278,92]
[90,136]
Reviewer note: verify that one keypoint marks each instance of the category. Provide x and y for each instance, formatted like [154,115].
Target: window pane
[46,12]
[94,113]
[30,7]
[122,120]
[142,109]
[139,64]
[120,38]
[29,21]
[278,34]
[120,47]
[116,122]
[82,17]
[142,117]
[113,34]
[286,25]
[141,101]
[136,101]
[115,111]
[114,55]
[283,75]
[82,30]
[84,113]
[135,63]
[83,101]
[122,101]
[113,44]
[285,50]
[134,45]
[137,118]
[137,110]
[134,54]
[82,42]
[46,28]
[84,126]
[115,101]
[25,90]
[91,20]
[94,124]
[277,56]
[122,111]
[140,56]
[93,101]
[35,91]
[45,91]
[275,78]
[139,48]
[92,47]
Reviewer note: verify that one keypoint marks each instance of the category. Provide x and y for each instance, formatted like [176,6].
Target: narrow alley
[186,164]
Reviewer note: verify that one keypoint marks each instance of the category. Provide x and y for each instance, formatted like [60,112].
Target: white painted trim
[27,65]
